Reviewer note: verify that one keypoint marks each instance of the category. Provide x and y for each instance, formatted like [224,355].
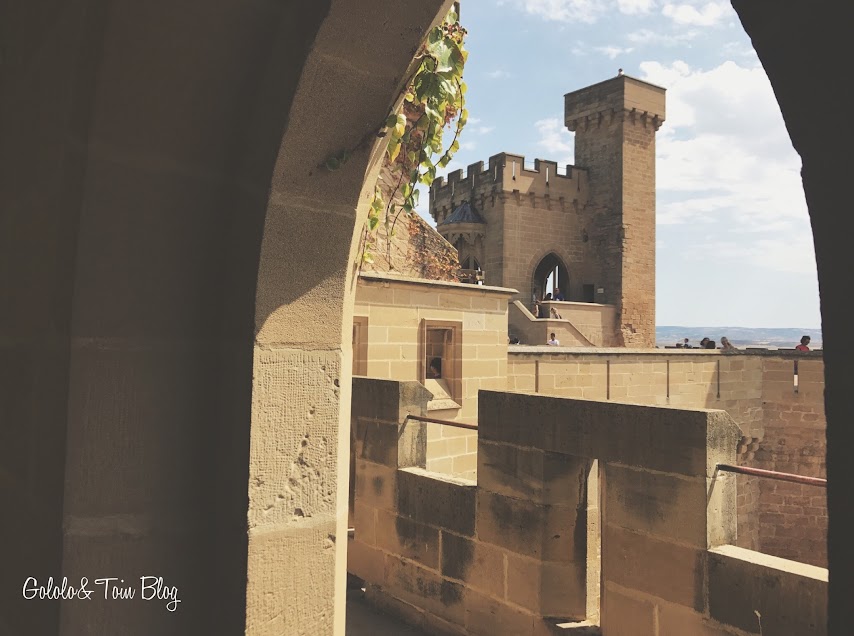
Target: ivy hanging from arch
[433,102]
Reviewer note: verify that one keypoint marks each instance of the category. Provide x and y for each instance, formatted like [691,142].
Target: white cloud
[647,36]
[613,51]
[709,14]
[498,74]
[563,10]
[556,140]
[479,130]
[792,255]
[725,167]
[632,7]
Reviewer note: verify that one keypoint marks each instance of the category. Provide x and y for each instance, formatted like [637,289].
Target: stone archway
[808,84]
[551,271]
[177,277]
[135,190]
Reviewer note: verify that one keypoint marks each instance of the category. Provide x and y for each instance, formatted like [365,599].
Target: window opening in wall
[440,365]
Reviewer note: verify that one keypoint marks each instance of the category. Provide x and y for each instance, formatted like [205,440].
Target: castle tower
[615,122]
[516,221]
[588,229]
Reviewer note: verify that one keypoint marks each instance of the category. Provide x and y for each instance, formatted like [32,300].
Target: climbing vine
[433,101]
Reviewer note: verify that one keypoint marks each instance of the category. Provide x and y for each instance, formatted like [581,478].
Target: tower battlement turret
[506,173]
[622,97]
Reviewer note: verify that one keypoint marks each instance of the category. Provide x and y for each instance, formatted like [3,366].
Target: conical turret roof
[464,213]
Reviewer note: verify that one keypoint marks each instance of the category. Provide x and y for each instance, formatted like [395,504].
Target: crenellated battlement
[506,173]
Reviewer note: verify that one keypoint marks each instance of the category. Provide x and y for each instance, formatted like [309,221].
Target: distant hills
[785,338]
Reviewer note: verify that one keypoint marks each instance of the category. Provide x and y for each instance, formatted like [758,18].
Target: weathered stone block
[668,506]
[549,532]
[624,615]
[376,485]
[407,538]
[425,589]
[659,438]
[364,523]
[377,441]
[547,589]
[436,499]
[479,565]
[530,473]
[675,619]
[366,562]
[790,597]
[486,616]
[388,400]
[673,572]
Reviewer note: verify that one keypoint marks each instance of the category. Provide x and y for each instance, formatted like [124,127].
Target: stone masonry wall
[391,312]
[793,517]
[511,554]
[528,214]
[781,430]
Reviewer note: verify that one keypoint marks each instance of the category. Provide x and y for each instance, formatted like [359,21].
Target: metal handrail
[431,420]
[773,474]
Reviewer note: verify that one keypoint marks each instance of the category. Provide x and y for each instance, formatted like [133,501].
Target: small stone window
[442,363]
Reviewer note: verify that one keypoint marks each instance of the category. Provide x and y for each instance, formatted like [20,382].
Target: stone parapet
[506,174]
[518,551]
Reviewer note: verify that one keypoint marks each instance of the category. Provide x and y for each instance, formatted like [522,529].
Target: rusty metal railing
[432,420]
[773,474]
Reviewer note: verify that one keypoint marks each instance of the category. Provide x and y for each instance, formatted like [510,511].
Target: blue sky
[734,246]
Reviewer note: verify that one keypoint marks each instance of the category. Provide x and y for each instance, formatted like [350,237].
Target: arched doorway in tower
[550,274]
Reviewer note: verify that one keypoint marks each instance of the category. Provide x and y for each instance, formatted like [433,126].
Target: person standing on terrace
[804,346]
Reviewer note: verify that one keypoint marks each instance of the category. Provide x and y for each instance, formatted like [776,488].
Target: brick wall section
[782,430]
[391,311]
[502,555]
[793,517]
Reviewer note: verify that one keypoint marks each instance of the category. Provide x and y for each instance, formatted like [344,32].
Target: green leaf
[400,126]
[427,86]
[434,114]
[393,150]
